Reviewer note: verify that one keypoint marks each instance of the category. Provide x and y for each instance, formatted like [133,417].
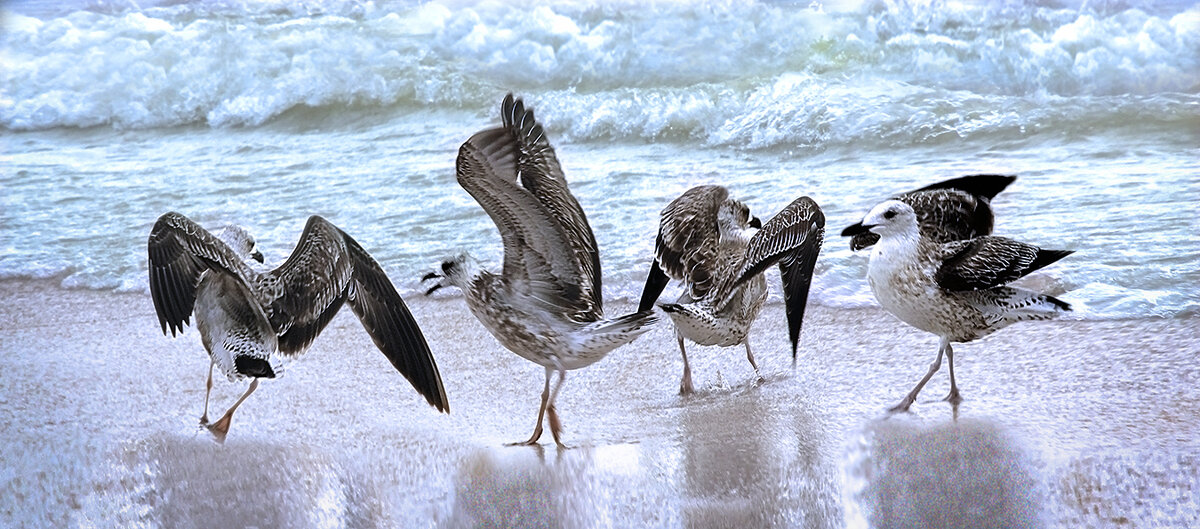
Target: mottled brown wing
[689,238]
[987,262]
[537,247]
[539,172]
[179,252]
[387,319]
[793,239]
[310,287]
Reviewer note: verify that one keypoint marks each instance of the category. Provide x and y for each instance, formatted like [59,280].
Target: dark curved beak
[257,256]
[755,223]
[856,229]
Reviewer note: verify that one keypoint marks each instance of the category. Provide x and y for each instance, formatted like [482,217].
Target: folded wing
[987,262]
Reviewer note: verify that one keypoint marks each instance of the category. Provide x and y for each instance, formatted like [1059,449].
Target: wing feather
[179,251]
[951,210]
[539,172]
[310,287]
[792,238]
[538,248]
[987,262]
[689,238]
[387,319]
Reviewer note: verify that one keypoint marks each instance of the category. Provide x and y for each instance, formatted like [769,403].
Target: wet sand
[1065,424]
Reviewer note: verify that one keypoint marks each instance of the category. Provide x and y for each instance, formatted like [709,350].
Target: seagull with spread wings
[957,289]
[712,243]
[245,317]
[546,304]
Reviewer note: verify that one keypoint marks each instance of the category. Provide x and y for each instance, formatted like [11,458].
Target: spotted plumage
[546,304]
[958,289]
[247,318]
[710,242]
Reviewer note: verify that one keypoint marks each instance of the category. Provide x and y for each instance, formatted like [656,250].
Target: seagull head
[456,271]
[891,217]
[241,242]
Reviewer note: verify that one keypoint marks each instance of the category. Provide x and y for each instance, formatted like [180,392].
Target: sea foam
[660,70]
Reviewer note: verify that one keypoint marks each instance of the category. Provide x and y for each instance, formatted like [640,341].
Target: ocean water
[262,113]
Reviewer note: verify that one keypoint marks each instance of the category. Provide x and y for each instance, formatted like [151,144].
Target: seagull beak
[427,277]
[856,229]
[755,223]
[257,256]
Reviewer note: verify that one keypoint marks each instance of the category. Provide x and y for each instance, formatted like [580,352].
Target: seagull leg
[537,430]
[912,395]
[685,384]
[552,415]
[953,398]
[220,428]
[207,391]
[750,357]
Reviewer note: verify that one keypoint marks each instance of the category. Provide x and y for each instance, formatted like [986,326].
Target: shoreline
[1100,417]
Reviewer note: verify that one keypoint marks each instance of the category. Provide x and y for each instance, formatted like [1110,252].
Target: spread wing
[328,268]
[179,252]
[952,210]
[793,239]
[392,327]
[689,239]
[547,241]
[989,261]
[540,173]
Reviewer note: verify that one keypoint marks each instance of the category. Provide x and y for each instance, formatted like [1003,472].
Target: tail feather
[253,367]
[608,334]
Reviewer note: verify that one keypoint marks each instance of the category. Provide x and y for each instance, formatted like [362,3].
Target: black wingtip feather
[988,185]
[1047,257]
[1059,303]
[656,281]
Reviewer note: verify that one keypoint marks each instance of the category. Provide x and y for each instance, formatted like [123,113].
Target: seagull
[953,210]
[712,243]
[246,316]
[957,290]
[546,304]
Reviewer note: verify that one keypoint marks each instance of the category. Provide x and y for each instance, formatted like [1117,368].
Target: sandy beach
[1065,424]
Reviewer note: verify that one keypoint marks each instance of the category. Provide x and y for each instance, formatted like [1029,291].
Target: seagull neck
[901,245]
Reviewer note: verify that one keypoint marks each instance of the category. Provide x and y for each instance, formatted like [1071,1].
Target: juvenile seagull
[545,305]
[953,210]
[711,243]
[956,290]
[246,316]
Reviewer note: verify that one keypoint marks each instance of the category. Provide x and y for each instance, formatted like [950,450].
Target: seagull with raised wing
[711,242]
[546,304]
[248,318]
[952,210]
[958,290]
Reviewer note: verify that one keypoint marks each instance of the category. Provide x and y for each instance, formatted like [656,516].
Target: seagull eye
[889,214]
[446,266]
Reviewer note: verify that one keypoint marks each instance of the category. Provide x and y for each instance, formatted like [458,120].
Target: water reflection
[185,482]
[748,463]
[526,487]
[961,474]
